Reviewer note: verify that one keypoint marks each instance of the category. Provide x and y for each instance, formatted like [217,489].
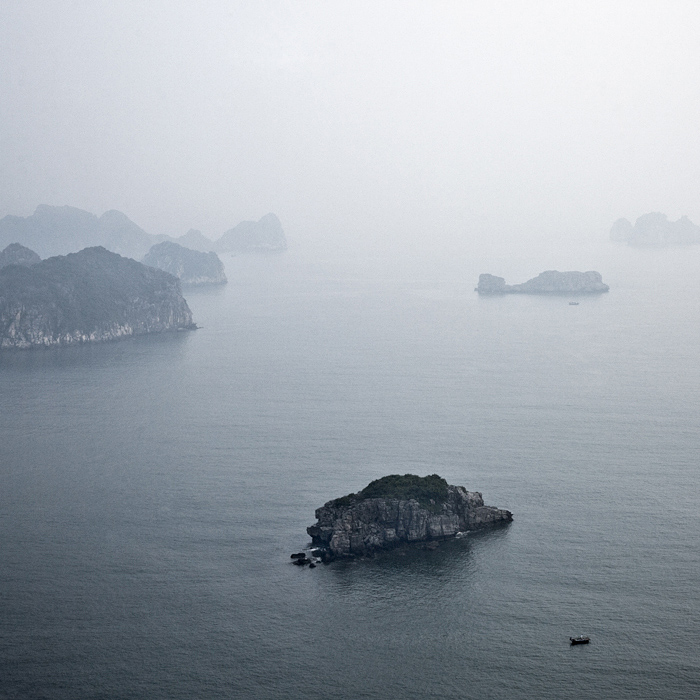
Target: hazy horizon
[438,125]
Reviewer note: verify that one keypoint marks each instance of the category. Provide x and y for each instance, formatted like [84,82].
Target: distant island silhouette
[655,230]
[549,282]
[191,267]
[61,230]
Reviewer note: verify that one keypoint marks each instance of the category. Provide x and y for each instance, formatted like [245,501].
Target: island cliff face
[90,296]
[549,282]
[381,516]
[189,266]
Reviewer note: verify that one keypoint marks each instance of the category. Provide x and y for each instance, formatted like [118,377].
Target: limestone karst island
[191,267]
[654,230]
[397,510]
[60,230]
[90,296]
[549,282]
[99,293]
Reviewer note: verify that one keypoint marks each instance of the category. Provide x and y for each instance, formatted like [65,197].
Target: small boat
[581,639]
[573,303]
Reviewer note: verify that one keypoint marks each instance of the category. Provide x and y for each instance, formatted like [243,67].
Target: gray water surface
[151,490]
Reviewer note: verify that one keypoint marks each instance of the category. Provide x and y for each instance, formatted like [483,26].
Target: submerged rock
[549,282]
[400,509]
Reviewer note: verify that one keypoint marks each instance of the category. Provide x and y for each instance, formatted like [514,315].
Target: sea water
[152,490]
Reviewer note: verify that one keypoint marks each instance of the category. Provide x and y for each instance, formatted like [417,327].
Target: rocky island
[549,282]
[655,230]
[16,254]
[189,266]
[399,509]
[263,236]
[90,296]
[54,230]
[59,230]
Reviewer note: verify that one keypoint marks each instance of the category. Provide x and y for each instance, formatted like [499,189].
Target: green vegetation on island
[398,510]
[88,296]
[430,491]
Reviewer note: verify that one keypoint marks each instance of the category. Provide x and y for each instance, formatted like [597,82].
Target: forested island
[90,296]
[399,509]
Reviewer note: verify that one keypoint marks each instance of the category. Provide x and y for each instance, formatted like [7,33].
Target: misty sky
[353,121]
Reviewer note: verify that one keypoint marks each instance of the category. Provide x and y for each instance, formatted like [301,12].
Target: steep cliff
[400,509]
[16,254]
[549,282]
[90,296]
[189,266]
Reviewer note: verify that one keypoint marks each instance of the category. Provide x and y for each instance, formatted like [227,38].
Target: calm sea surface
[152,490]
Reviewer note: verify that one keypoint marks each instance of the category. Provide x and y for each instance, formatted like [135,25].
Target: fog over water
[391,125]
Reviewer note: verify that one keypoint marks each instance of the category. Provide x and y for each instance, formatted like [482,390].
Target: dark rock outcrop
[549,282]
[90,296]
[251,236]
[16,254]
[382,516]
[189,266]
[654,229]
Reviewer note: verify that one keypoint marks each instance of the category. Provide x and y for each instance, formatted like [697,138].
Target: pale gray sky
[353,121]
